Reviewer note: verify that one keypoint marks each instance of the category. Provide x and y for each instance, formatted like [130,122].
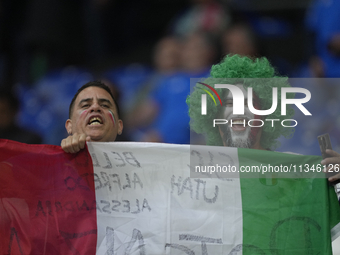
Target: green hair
[241,70]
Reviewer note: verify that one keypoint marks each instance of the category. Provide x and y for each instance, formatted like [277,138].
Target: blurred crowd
[147,52]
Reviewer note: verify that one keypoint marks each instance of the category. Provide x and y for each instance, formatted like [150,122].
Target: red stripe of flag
[47,200]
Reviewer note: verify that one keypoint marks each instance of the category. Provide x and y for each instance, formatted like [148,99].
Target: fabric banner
[46,200]
[137,198]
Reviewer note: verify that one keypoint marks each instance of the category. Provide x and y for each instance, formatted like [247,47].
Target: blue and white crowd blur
[147,52]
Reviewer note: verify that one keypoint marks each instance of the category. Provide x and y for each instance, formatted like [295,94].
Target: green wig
[241,70]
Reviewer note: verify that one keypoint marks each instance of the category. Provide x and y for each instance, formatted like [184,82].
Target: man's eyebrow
[104,100]
[85,100]
[100,100]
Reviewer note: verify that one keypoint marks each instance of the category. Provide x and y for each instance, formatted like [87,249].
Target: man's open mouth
[95,121]
[238,124]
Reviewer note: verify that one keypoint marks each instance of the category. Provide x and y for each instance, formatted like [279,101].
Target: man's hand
[333,164]
[74,143]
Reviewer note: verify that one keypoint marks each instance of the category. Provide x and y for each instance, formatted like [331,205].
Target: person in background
[166,64]
[237,70]
[323,23]
[207,16]
[9,129]
[199,52]
[239,39]
[171,122]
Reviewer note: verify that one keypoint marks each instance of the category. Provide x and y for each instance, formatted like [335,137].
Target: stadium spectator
[323,21]
[9,129]
[93,116]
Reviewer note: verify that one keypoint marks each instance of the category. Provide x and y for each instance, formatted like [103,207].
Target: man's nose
[95,107]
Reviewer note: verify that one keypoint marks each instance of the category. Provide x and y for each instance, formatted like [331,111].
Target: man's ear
[68,126]
[120,127]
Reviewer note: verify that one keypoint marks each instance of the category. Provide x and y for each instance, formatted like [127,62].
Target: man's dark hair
[98,84]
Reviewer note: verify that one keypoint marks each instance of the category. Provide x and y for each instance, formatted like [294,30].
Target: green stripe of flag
[293,215]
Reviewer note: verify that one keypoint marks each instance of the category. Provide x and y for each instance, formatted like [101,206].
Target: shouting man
[93,116]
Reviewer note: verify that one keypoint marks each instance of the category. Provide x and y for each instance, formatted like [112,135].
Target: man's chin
[241,143]
[96,137]
[101,138]
[240,133]
[240,138]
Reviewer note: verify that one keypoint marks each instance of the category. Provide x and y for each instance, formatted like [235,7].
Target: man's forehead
[92,93]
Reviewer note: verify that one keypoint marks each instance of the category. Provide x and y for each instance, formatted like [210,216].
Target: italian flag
[145,198]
